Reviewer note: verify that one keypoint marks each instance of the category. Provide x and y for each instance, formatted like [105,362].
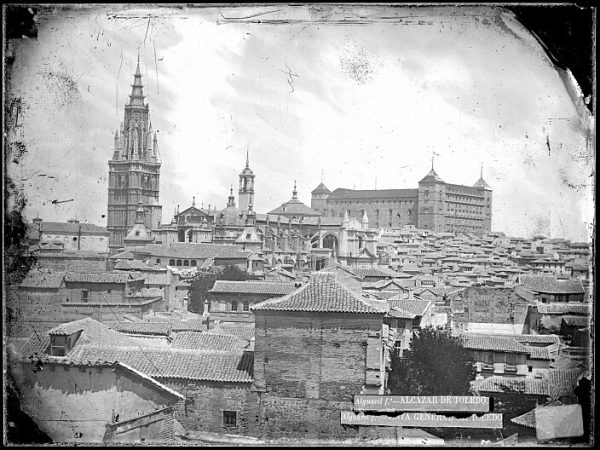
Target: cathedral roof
[294,207]
[321,189]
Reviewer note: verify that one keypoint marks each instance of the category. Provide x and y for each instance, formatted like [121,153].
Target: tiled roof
[548,339]
[412,306]
[540,353]
[241,330]
[154,328]
[550,285]
[562,382]
[321,189]
[398,313]
[344,194]
[204,365]
[207,341]
[323,293]
[333,267]
[493,343]
[190,250]
[375,272]
[576,321]
[501,384]
[564,308]
[253,287]
[43,280]
[105,277]
[188,325]
[136,264]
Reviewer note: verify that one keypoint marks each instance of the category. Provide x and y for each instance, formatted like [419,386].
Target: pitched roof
[548,339]
[102,277]
[204,365]
[502,384]
[322,293]
[376,272]
[153,328]
[493,343]
[337,266]
[241,330]
[345,194]
[413,306]
[540,353]
[576,321]
[431,177]
[253,287]
[136,264]
[294,207]
[564,308]
[528,419]
[191,250]
[207,341]
[70,228]
[562,382]
[43,280]
[321,189]
[550,285]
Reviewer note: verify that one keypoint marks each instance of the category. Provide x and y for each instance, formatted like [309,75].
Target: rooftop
[550,285]
[323,293]
[207,341]
[253,287]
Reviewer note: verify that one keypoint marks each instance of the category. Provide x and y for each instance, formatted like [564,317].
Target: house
[547,289]
[547,318]
[215,382]
[350,277]
[71,236]
[230,301]
[508,355]
[315,349]
[482,309]
[372,274]
[404,316]
[90,400]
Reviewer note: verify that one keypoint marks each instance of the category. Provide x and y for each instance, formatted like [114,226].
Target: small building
[230,301]
[547,289]
[93,400]
[71,235]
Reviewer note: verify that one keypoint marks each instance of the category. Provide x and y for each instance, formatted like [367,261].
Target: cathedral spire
[136,98]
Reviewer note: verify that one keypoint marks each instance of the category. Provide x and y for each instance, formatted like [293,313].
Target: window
[246,305]
[171,262]
[85,296]
[157,261]
[530,369]
[179,262]
[58,345]
[234,305]
[230,418]
[193,263]
[186,263]
[74,239]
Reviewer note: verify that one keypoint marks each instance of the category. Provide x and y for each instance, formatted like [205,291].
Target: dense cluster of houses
[282,355]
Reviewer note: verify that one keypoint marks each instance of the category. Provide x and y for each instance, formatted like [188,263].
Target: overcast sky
[364,105]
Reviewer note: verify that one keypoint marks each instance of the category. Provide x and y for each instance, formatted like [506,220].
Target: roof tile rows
[101,277]
[564,308]
[43,280]
[205,365]
[240,330]
[414,306]
[253,287]
[207,341]
[493,343]
[500,384]
[550,285]
[321,294]
[193,251]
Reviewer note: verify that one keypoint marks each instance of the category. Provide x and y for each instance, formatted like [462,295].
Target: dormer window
[58,345]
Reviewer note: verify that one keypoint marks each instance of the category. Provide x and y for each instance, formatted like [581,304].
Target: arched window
[193,263]
[330,241]
[190,236]
[171,262]
[181,236]
[360,242]
[186,263]
[179,262]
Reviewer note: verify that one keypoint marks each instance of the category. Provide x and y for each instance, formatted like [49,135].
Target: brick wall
[221,304]
[206,401]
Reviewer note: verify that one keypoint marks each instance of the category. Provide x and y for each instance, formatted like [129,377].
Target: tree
[435,364]
[204,282]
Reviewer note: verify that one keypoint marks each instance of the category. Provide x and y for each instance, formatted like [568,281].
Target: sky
[311,96]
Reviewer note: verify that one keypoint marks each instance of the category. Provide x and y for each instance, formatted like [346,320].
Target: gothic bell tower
[133,170]
[246,192]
